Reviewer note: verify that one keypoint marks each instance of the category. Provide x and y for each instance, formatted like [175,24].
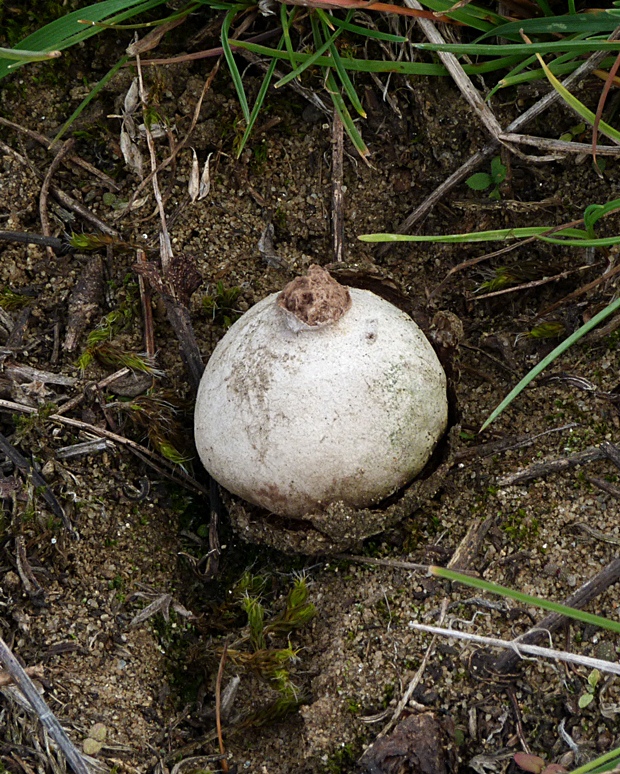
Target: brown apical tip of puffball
[316,299]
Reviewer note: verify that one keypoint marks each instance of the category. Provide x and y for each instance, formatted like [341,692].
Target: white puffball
[296,420]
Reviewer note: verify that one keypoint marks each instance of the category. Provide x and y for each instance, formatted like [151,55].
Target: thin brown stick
[415,681]
[44,713]
[580,291]
[34,672]
[502,251]
[165,245]
[71,158]
[471,164]
[609,575]
[160,464]
[558,145]
[218,708]
[147,310]
[614,491]
[532,284]
[65,148]
[540,469]
[337,194]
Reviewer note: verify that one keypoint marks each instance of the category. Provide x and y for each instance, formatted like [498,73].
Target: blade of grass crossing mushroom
[560,349]
[230,61]
[527,599]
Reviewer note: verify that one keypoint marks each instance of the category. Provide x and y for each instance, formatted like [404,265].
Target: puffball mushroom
[319,394]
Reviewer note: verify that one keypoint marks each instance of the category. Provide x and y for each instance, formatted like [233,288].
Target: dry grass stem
[519,648]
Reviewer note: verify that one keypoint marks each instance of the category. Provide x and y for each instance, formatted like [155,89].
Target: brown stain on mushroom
[316,299]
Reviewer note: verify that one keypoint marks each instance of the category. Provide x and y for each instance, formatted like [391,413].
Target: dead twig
[611,272]
[163,466]
[337,194]
[545,143]
[609,575]
[218,708]
[415,681]
[165,245]
[22,464]
[606,486]
[482,155]
[71,158]
[63,151]
[532,284]
[506,444]
[21,678]
[147,311]
[517,647]
[31,585]
[540,469]
[35,672]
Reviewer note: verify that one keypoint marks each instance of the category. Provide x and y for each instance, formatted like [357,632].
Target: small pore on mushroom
[314,300]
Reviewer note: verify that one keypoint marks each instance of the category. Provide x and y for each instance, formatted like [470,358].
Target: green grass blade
[232,65]
[369,65]
[527,599]
[286,20]
[605,762]
[578,107]
[560,349]
[587,24]
[19,55]
[89,98]
[471,15]
[347,84]
[548,47]
[476,236]
[67,30]
[367,32]
[259,101]
[594,212]
[348,123]
[308,60]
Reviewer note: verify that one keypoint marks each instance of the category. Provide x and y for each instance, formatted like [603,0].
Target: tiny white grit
[320,394]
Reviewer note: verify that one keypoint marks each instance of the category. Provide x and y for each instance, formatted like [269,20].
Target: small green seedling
[481,181]
[221,305]
[588,697]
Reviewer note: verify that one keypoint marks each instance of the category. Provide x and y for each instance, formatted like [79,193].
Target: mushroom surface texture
[320,394]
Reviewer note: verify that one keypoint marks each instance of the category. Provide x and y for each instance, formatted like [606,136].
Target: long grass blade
[307,60]
[371,65]
[232,65]
[577,106]
[19,55]
[527,599]
[286,21]
[559,350]
[347,84]
[547,47]
[260,99]
[67,30]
